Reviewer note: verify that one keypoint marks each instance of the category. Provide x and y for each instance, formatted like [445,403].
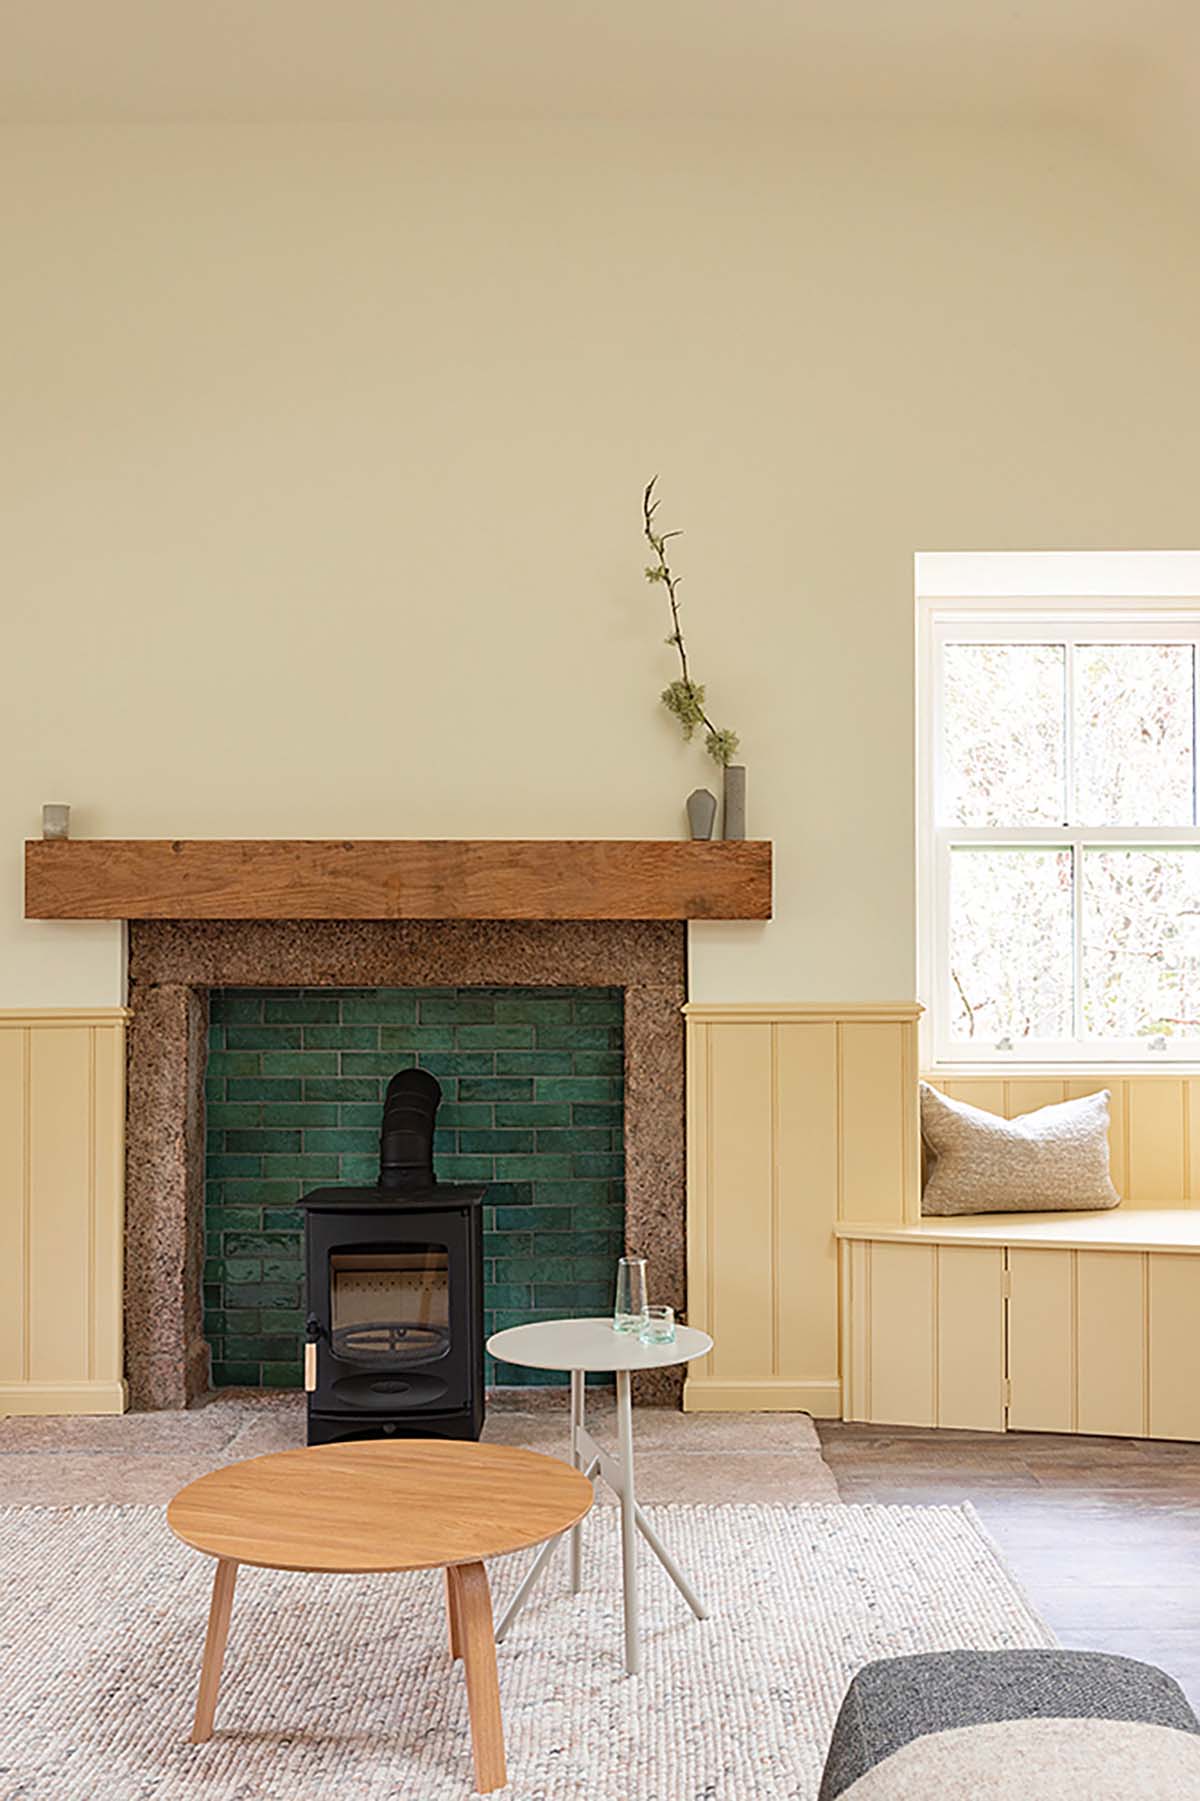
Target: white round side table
[583,1346]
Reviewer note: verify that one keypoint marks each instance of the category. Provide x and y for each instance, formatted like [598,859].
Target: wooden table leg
[474,1614]
[214,1649]
[452,1627]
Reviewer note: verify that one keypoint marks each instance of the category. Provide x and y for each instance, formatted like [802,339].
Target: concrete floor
[1102,1533]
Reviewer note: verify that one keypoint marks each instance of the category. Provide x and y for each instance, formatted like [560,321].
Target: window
[1061,837]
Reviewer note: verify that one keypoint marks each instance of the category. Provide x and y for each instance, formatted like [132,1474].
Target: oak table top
[374,1506]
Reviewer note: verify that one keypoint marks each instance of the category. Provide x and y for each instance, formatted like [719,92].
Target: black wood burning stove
[395,1290]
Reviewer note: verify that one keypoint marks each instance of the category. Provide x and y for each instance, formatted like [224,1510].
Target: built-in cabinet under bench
[1050,1322]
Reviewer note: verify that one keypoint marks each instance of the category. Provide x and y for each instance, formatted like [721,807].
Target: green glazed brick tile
[282,1375]
[510,1218]
[233,1219]
[533,1113]
[389,1006]
[495,1088]
[549,1219]
[379,1065]
[341,1038]
[457,1010]
[571,1296]
[594,1216]
[573,1142]
[510,1294]
[343,1138]
[496,1144]
[223,1114]
[300,1113]
[282,1319]
[214,1322]
[262,1142]
[506,1244]
[572,1194]
[222,1064]
[216,1037]
[300,1063]
[588,1113]
[600,1063]
[214,1271]
[572,1038]
[494,1038]
[605,1163]
[605,1010]
[510,1194]
[595,1089]
[263,1038]
[243,1320]
[262,1088]
[309,1167]
[529,1169]
[593,1269]
[362,1171]
[221,1165]
[344,1088]
[463,1169]
[262,1294]
[262,1346]
[261,1244]
[214,1088]
[457,1063]
[359,1113]
[403,1041]
[454,1114]
[533,1009]
[240,1271]
[235,1009]
[533,1269]
[533,1063]
[606,1246]
[285,1269]
[261,1193]
[305,1009]
[234,1375]
[283,1219]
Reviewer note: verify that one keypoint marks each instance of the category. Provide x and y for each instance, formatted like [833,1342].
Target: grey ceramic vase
[701,812]
[734,824]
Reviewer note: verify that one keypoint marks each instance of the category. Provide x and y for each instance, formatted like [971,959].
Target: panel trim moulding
[811,1012]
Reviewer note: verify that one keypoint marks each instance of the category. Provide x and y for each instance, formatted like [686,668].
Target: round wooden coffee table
[366,1507]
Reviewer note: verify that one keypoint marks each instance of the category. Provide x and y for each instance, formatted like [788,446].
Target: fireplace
[394,1286]
[175,965]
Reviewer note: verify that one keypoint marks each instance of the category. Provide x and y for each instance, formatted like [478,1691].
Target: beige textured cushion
[1050,1161]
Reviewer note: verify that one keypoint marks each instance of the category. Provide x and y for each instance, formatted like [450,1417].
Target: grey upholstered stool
[1021,1722]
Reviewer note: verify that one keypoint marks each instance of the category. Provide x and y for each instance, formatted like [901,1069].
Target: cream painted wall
[322,450]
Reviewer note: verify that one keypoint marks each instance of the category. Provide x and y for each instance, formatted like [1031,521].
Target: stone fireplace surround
[174,963]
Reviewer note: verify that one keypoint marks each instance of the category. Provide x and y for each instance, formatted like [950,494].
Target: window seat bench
[1033,1322]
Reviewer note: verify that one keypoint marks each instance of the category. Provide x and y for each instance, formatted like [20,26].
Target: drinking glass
[658,1327]
[629,1310]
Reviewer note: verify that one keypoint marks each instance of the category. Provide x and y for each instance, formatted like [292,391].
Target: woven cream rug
[339,1688]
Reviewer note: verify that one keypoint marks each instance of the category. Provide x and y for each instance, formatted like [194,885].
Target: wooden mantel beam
[479,878]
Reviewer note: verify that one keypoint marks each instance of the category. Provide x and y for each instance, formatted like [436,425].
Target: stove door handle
[313,1331]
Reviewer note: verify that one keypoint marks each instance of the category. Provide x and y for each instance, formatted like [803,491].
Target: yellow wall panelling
[798,1116]
[1092,1338]
[62,1121]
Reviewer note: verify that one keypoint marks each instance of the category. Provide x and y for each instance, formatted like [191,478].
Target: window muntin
[1061,884]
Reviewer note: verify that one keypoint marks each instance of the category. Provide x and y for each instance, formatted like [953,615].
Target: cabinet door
[1111,1328]
[1174,1346]
[970,1356]
[1041,1341]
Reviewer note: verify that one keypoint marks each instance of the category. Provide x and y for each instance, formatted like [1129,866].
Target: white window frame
[1072,621]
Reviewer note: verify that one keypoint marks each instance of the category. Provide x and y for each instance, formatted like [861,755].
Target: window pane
[1141,943]
[1011,944]
[1002,756]
[1134,720]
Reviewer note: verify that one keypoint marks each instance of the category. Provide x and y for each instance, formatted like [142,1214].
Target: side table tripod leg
[577,1416]
[633,1654]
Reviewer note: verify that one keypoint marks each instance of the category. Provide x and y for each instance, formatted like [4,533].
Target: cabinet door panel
[971,1338]
[1111,1338]
[1041,1341]
[1174,1347]
[901,1352]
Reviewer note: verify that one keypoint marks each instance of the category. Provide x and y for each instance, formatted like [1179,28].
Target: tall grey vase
[734,825]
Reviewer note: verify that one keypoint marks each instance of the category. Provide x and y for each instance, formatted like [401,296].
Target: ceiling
[1131,64]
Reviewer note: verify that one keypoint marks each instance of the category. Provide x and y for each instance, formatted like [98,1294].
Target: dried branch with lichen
[683,698]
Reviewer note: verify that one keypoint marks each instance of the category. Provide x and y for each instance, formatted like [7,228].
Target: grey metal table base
[595,1461]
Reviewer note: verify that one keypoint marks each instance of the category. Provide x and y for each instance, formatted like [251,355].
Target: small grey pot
[734,824]
[701,812]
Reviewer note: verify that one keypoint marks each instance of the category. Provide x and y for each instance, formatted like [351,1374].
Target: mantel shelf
[478,878]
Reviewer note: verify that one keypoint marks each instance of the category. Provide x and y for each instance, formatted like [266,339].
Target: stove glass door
[391,1307]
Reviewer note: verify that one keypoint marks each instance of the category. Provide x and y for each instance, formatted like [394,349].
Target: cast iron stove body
[394,1278]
